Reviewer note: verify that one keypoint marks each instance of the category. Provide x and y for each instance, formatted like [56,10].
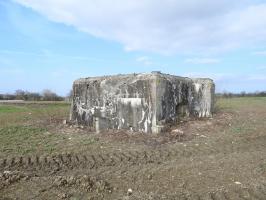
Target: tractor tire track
[75,160]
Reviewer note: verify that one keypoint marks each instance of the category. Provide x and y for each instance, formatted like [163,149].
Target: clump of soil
[9,177]
[85,182]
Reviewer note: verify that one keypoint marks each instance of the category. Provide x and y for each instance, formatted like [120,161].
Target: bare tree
[69,96]
[20,94]
[48,95]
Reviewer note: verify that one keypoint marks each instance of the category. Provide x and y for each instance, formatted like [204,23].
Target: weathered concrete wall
[139,102]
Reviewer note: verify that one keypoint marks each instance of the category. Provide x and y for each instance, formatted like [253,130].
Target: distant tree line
[46,95]
[242,94]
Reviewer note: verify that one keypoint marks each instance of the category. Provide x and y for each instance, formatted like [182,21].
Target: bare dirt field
[220,158]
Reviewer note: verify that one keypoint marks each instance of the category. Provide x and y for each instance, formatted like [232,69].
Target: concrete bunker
[140,102]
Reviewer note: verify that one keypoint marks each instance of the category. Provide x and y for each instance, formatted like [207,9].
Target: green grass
[11,109]
[250,114]
[27,140]
[242,129]
[23,127]
[32,113]
[33,128]
[241,102]
[22,139]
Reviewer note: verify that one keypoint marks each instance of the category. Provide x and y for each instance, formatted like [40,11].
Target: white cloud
[63,73]
[227,76]
[202,60]
[169,26]
[214,76]
[11,71]
[233,82]
[260,53]
[261,68]
[145,60]
[47,54]
[257,77]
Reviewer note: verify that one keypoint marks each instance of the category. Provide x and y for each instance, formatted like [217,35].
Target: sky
[47,44]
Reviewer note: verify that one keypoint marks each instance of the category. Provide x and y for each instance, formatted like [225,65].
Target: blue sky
[47,44]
